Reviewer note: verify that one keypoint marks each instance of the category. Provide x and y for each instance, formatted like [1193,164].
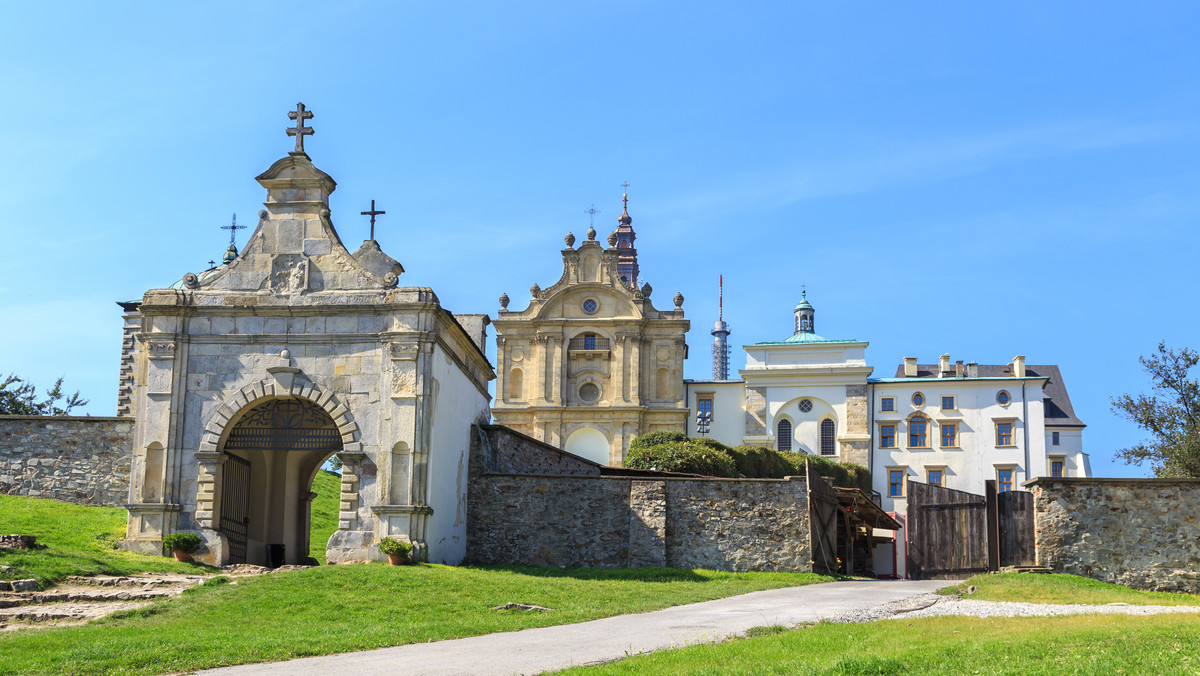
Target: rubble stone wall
[74,459]
[1142,533]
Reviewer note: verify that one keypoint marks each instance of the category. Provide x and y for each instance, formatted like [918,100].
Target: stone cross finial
[372,213]
[299,131]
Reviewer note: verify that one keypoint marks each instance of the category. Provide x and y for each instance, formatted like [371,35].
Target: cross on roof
[372,213]
[233,227]
[299,131]
[591,212]
[625,197]
[212,264]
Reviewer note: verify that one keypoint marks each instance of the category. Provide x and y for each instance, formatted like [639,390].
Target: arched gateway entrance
[270,456]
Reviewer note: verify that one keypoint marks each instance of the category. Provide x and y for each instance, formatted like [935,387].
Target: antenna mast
[720,332]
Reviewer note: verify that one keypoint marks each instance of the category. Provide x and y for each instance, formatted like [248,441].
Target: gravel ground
[931,605]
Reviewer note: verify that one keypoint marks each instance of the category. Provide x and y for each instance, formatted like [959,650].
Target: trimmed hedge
[676,452]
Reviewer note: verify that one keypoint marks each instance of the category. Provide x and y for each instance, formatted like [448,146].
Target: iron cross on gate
[300,131]
[372,213]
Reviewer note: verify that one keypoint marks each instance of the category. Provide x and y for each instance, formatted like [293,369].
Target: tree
[1171,415]
[18,397]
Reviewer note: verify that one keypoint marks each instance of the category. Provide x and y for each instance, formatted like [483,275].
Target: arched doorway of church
[590,443]
[273,452]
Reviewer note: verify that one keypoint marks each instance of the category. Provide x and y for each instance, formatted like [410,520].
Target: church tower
[591,363]
[804,315]
[627,263]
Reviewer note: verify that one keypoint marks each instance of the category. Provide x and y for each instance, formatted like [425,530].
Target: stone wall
[544,519]
[506,451]
[1142,533]
[74,459]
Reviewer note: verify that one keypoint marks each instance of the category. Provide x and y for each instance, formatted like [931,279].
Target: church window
[1004,479]
[1003,398]
[935,476]
[896,483]
[589,341]
[516,384]
[783,439]
[1004,434]
[827,437]
[805,405]
[887,404]
[887,436]
[948,403]
[704,405]
[918,433]
[1054,438]
[590,306]
[949,435]
[918,399]
[1056,467]
[589,392]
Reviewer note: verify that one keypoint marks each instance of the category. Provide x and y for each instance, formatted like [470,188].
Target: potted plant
[397,550]
[182,545]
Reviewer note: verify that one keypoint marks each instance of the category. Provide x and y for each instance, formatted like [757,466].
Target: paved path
[532,651]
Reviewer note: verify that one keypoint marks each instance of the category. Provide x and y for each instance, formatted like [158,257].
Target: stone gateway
[246,378]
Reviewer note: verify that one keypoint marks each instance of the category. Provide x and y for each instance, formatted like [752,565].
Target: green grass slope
[1056,588]
[333,609]
[78,540]
[324,514]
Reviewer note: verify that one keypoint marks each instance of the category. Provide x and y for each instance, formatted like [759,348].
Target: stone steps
[82,599]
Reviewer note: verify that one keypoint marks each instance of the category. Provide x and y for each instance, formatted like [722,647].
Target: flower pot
[397,559]
[181,555]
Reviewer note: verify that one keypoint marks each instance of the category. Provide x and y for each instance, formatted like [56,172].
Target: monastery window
[918,432]
[828,437]
[1004,479]
[590,306]
[589,341]
[935,475]
[887,404]
[783,437]
[516,384]
[704,405]
[1004,433]
[918,399]
[947,403]
[887,436]
[895,482]
[949,435]
[1056,467]
[1003,398]
[805,405]
[1054,438]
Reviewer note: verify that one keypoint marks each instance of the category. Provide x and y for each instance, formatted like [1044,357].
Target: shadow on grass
[648,574]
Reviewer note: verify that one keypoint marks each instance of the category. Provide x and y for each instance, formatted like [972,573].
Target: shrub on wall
[677,456]
[765,463]
[657,438]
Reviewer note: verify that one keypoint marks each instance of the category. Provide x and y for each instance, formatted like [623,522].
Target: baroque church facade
[590,363]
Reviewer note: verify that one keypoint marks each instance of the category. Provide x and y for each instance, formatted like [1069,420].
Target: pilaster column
[556,349]
[635,370]
[617,369]
[206,487]
[348,509]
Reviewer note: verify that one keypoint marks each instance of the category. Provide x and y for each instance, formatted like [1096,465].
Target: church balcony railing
[588,344]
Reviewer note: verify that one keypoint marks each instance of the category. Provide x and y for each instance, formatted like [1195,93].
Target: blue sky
[980,180]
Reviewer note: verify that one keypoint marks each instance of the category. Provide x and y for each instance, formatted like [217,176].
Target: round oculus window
[589,392]
[918,399]
[1002,398]
[805,405]
[590,306]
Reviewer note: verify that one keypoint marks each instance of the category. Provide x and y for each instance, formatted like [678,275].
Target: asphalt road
[533,651]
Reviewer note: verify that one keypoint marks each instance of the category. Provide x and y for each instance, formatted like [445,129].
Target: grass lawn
[1049,588]
[1082,644]
[79,540]
[328,487]
[334,609]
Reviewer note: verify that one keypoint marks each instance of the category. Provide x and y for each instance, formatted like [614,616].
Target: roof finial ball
[678,300]
[646,290]
[535,290]
[570,239]
[504,301]
[591,234]
[612,239]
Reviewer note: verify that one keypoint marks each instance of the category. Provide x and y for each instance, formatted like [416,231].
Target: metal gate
[235,505]
[823,511]
[946,531]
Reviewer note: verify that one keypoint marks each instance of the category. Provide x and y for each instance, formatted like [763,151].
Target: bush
[657,439]
[844,474]
[187,543]
[683,456]
[391,545]
[764,463]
